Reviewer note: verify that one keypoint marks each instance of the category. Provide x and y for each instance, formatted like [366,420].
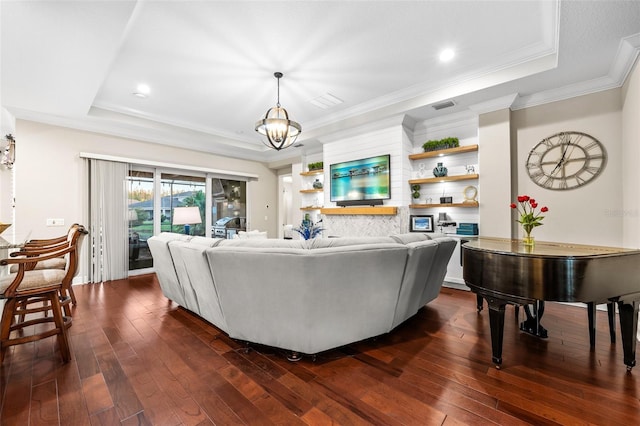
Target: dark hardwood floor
[138,359]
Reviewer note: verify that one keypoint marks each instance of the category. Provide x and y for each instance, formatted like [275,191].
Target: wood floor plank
[44,404]
[96,394]
[71,401]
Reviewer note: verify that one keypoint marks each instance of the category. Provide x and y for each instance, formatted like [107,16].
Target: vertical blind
[108,220]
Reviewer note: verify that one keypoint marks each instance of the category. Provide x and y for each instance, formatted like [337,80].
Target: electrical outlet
[55,222]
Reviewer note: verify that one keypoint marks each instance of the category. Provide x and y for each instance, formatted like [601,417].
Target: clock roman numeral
[591,146]
[592,169]
[547,142]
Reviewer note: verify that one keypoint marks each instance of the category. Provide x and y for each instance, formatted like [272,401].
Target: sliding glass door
[154,194]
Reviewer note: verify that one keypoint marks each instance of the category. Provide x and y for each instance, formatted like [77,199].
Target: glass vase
[528,240]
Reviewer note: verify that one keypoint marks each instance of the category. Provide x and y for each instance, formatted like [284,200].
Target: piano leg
[628,312]
[591,313]
[479,302]
[496,322]
[532,324]
[611,313]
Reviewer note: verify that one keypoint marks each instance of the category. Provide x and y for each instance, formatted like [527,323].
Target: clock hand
[561,162]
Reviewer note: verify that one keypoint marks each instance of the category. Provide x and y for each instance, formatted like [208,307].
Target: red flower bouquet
[529,217]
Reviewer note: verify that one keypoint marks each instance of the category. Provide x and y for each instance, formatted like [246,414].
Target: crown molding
[496,104]
[626,56]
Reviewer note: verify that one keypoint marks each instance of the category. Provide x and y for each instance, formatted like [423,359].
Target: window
[228,207]
[181,191]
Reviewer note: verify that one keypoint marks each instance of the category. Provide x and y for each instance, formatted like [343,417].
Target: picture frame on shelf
[421,223]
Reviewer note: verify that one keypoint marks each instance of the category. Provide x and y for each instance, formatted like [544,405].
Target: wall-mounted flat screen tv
[361,180]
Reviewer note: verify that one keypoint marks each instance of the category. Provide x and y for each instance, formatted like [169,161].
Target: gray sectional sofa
[303,296]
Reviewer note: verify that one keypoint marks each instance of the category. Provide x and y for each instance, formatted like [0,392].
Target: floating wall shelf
[312,173]
[428,206]
[443,179]
[444,152]
[389,211]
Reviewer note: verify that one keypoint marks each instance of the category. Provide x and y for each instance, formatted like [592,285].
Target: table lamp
[186,216]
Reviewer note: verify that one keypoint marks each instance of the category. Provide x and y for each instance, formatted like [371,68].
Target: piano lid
[543,248]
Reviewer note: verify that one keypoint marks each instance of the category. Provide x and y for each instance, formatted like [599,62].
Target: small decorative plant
[308,229]
[315,166]
[446,143]
[529,217]
[415,191]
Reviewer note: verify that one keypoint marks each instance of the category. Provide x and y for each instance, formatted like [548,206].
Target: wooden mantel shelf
[381,210]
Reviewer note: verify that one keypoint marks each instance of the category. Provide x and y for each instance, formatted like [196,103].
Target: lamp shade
[186,216]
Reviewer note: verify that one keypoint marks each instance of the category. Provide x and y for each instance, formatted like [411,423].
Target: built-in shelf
[309,191]
[311,208]
[443,179]
[381,210]
[312,173]
[444,152]
[428,206]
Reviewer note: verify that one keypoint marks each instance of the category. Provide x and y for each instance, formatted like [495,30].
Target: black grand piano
[505,271]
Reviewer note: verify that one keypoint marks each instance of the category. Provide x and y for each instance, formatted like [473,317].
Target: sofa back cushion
[410,237]
[318,243]
[251,234]
[205,241]
[265,243]
[312,300]
[420,260]
[438,271]
[163,265]
[194,275]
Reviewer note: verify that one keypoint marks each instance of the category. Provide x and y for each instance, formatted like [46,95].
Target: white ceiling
[210,64]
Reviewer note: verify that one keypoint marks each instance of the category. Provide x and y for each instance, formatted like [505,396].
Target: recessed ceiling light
[447,54]
[142,91]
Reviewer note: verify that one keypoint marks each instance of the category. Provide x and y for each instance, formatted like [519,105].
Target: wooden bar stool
[42,247]
[20,288]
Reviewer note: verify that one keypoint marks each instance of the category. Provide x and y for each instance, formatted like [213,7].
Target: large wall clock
[566,160]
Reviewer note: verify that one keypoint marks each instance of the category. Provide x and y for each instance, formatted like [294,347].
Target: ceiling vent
[443,105]
[326,101]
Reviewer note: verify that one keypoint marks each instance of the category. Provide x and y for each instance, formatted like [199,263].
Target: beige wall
[494,157]
[582,215]
[50,179]
[630,212]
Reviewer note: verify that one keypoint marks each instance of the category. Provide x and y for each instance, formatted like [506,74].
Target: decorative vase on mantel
[440,170]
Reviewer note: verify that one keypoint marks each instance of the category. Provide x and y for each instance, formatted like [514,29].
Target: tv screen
[365,179]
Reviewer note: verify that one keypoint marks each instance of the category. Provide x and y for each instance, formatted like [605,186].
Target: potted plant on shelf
[445,143]
[315,166]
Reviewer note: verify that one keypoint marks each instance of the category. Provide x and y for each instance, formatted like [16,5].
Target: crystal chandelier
[279,131]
